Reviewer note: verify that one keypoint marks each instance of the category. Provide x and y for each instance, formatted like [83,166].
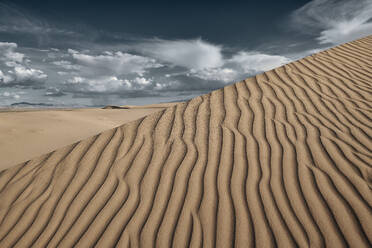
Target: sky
[96,53]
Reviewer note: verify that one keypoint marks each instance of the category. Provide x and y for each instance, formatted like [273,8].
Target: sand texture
[27,133]
[282,159]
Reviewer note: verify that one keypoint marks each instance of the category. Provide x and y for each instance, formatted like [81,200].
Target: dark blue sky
[239,23]
[95,53]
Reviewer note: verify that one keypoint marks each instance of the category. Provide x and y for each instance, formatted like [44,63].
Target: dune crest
[282,159]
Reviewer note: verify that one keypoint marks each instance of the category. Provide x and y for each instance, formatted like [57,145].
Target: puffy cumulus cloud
[72,51]
[100,85]
[334,21]
[254,62]
[215,74]
[239,66]
[84,74]
[67,65]
[54,92]
[117,63]
[108,84]
[193,54]
[4,78]
[23,74]
[8,53]
[207,62]
[15,67]
[115,72]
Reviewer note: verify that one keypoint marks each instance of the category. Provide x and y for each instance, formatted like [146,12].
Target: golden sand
[282,159]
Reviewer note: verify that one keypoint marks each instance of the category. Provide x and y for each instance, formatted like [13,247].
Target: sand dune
[282,159]
[27,133]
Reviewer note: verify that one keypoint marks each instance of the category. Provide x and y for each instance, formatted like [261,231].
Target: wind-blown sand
[282,159]
[27,133]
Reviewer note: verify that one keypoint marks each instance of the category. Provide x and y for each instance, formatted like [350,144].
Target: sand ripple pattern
[282,159]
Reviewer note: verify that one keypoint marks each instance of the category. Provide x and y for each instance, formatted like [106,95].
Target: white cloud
[142,81]
[102,84]
[206,61]
[108,84]
[254,62]
[66,65]
[193,54]
[5,78]
[114,72]
[335,21]
[53,91]
[118,63]
[17,67]
[23,74]
[76,80]
[216,74]
[239,66]
[108,72]
[8,54]
[72,51]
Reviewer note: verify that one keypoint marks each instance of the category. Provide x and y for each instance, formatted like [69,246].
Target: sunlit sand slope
[282,159]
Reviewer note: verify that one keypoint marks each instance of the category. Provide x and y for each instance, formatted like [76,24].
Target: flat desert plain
[282,159]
